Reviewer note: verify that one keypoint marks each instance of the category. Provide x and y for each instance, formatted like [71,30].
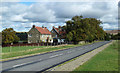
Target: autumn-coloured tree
[8,36]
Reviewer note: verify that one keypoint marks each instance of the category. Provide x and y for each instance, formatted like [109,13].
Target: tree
[8,36]
[116,37]
[84,29]
[107,37]
[23,36]
[69,36]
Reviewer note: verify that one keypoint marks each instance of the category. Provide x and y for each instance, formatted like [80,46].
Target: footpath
[70,66]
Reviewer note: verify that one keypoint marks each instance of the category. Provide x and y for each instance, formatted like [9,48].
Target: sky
[21,15]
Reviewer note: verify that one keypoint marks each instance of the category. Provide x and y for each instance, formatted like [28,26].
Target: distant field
[107,60]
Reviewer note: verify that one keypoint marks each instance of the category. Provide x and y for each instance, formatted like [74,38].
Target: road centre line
[55,55]
[25,63]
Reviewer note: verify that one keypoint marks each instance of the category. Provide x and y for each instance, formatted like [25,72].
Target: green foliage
[69,36]
[8,36]
[107,37]
[84,29]
[22,36]
[116,37]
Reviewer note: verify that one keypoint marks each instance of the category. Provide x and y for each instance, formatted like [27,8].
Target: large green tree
[8,36]
[84,29]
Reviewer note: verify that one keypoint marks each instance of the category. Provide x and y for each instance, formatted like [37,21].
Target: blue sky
[26,3]
[22,15]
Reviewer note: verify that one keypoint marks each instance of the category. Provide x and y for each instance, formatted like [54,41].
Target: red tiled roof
[112,31]
[43,30]
[61,32]
[57,29]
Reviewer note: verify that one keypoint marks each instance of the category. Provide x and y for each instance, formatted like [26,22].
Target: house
[58,34]
[113,32]
[39,34]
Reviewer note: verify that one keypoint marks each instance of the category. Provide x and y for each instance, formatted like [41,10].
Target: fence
[34,44]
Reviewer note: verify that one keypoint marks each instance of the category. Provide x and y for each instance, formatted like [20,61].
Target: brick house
[113,32]
[39,34]
[58,34]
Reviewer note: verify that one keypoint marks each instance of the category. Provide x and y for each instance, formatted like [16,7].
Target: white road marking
[70,51]
[25,63]
[19,65]
[61,54]
[55,55]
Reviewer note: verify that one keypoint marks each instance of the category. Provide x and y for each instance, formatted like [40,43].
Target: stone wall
[33,36]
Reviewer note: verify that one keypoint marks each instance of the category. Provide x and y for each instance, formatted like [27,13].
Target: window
[29,41]
[56,36]
[50,35]
[42,36]
[36,35]
[37,41]
[29,35]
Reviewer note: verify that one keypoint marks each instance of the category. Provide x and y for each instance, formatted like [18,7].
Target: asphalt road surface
[45,61]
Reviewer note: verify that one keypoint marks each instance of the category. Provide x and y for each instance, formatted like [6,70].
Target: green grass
[107,60]
[19,48]
[27,50]
[9,52]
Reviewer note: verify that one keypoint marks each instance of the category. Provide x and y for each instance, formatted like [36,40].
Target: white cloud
[40,13]
[109,19]
[108,26]
[3,9]
[0,18]
[10,0]
[58,0]
[19,16]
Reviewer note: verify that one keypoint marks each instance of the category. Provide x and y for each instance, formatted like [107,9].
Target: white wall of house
[44,37]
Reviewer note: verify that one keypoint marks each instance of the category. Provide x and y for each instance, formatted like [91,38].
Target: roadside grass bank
[25,48]
[19,48]
[33,51]
[107,60]
[23,51]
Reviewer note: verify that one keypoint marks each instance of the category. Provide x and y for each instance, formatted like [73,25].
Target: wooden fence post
[10,48]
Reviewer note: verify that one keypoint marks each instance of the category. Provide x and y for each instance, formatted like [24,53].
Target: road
[45,61]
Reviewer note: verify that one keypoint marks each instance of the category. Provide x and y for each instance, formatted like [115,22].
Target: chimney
[42,26]
[33,26]
[59,26]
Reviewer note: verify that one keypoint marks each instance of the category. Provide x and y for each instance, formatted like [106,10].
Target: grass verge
[12,52]
[33,51]
[107,60]
[22,51]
